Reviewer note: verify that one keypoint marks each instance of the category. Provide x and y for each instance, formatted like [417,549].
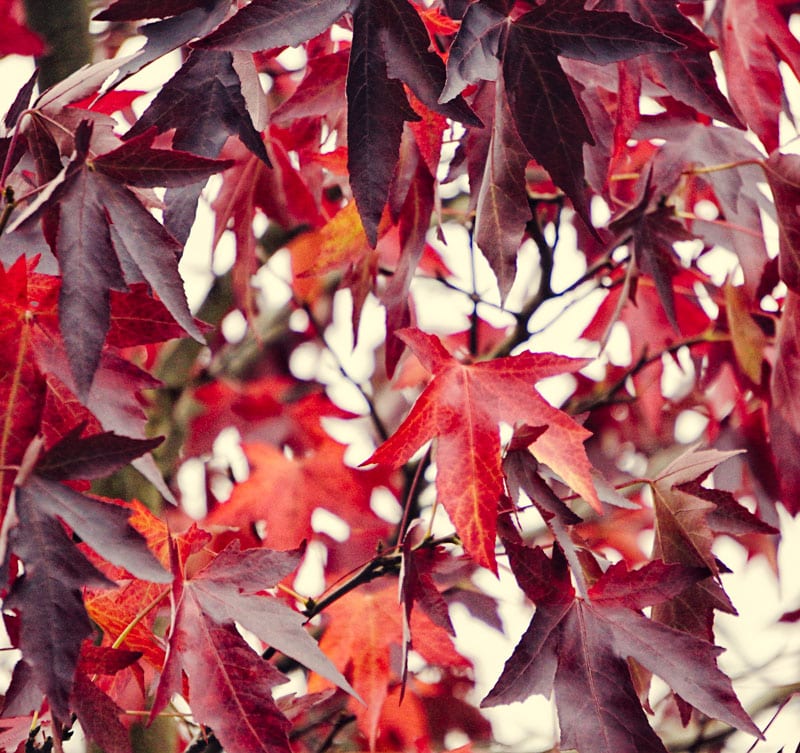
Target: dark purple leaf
[377,108]
[137,164]
[91,457]
[133,10]
[596,37]
[549,119]
[475,51]
[48,599]
[208,76]
[225,590]
[503,207]
[688,74]
[173,33]
[105,240]
[21,101]
[103,526]
[265,24]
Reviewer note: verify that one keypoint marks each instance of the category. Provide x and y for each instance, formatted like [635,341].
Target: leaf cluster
[446,182]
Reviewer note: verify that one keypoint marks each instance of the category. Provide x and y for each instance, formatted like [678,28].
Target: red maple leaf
[462,408]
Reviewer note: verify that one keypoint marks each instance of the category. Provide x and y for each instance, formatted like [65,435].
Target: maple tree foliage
[273,541]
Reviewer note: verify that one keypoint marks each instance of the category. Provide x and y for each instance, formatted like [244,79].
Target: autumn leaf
[175,108]
[783,175]
[547,114]
[688,73]
[389,48]
[48,595]
[754,38]
[229,683]
[282,494]
[577,649]
[363,629]
[106,239]
[462,408]
[503,208]
[652,232]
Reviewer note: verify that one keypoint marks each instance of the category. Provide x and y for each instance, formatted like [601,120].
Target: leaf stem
[411,494]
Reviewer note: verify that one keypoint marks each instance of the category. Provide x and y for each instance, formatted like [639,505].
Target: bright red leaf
[462,408]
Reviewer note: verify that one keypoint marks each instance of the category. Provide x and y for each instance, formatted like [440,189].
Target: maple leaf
[105,240]
[208,76]
[683,535]
[652,232]
[783,175]
[503,207]
[462,408]
[284,492]
[753,38]
[578,649]
[23,393]
[540,97]
[136,163]
[48,595]
[390,46]
[784,426]
[688,74]
[229,684]
[99,716]
[133,10]
[180,23]
[363,628]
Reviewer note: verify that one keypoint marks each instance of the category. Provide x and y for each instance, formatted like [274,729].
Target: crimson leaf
[579,649]
[105,240]
[545,109]
[390,46]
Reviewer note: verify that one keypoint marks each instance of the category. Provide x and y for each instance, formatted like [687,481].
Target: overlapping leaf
[577,649]
[462,408]
[688,73]
[207,76]
[390,46]
[754,38]
[364,628]
[230,684]
[106,240]
[48,596]
[544,107]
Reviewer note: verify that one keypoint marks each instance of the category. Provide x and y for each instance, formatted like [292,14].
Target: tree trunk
[64,25]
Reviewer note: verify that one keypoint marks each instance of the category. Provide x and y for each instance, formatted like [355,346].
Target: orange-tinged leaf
[462,408]
[283,493]
[340,241]
[748,339]
[364,629]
